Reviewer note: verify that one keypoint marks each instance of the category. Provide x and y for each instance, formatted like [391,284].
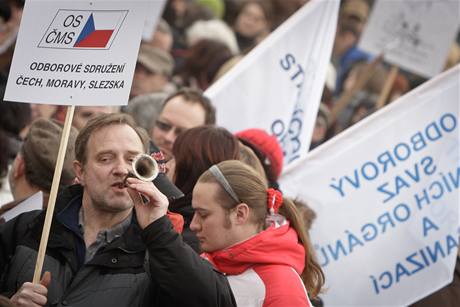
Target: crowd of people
[233,239]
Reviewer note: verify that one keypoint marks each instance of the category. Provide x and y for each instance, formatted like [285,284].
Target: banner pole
[346,97]
[53,194]
[387,87]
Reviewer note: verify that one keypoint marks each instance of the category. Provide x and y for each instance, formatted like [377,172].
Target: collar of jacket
[273,246]
[123,253]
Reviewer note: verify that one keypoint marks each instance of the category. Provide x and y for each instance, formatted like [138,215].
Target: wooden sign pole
[387,87]
[53,194]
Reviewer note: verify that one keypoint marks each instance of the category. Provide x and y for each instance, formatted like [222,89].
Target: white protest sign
[34,202]
[415,35]
[278,85]
[76,52]
[386,196]
[151,19]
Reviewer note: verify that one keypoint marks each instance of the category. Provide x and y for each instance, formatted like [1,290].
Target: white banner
[414,34]
[154,12]
[278,85]
[76,52]
[387,201]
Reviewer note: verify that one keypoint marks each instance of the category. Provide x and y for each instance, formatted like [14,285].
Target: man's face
[211,223]
[177,116]
[110,151]
[146,82]
[84,114]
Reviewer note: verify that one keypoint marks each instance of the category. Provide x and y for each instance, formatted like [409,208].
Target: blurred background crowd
[195,43]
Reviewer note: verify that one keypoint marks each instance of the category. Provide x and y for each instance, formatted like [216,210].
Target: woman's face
[251,21]
[212,224]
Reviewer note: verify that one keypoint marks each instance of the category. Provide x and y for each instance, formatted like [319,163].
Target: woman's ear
[242,214]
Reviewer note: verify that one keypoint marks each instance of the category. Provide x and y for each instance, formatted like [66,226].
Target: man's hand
[33,294]
[156,205]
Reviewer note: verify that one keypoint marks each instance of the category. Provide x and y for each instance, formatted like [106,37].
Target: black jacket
[183,206]
[150,267]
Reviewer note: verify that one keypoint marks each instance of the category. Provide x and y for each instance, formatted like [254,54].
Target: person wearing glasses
[185,109]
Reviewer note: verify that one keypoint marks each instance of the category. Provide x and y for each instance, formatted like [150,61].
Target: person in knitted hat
[153,71]
[33,167]
[267,149]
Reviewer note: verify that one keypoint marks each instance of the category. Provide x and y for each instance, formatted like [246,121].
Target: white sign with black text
[415,35]
[76,52]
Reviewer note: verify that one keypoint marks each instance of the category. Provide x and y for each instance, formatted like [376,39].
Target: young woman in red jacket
[255,237]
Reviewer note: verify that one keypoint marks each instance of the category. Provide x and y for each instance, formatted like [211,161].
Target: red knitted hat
[267,145]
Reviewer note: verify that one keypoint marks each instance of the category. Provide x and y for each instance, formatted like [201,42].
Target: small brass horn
[145,167]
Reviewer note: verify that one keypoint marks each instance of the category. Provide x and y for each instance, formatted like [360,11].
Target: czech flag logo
[92,38]
[83,29]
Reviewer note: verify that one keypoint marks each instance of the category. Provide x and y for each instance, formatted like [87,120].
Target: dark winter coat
[150,267]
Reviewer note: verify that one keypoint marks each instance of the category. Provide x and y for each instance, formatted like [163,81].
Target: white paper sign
[34,202]
[387,201]
[278,86]
[413,34]
[154,11]
[76,52]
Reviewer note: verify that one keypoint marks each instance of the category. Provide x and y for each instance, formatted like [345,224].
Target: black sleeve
[184,278]
[10,234]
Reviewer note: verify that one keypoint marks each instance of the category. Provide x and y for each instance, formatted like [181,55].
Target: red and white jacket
[265,269]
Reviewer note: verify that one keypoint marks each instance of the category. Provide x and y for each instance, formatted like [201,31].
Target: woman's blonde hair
[251,189]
